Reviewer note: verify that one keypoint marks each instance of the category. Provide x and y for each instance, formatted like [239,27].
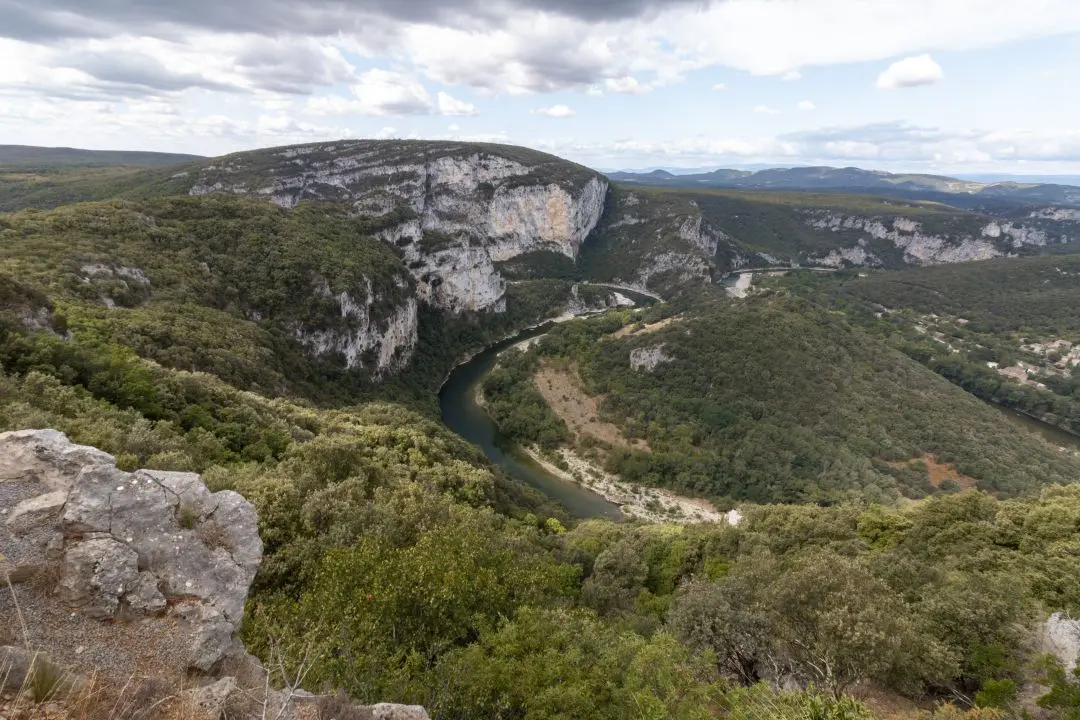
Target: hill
[28,156]
[1005,329]
[282,302]
[667,239]
[279,321]
[468,217]
[852,179]
[769,400]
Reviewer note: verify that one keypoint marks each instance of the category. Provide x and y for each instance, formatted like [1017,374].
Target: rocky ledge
[117,576]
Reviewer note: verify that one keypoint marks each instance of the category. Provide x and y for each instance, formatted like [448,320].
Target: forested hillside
[772,400]
[1004,330]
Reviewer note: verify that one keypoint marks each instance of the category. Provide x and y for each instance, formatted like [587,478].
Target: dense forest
[771,400]
[971,322]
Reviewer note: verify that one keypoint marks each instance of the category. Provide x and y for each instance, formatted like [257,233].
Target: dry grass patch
[939,473]
[565,394]
[636,329]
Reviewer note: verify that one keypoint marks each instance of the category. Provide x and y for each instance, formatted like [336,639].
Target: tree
[727,619]
[836,623]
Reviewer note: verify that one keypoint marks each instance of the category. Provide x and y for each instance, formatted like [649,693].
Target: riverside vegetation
[403,567]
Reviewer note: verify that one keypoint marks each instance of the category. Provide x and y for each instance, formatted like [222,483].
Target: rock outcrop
[919,246]
[647,359]
[453,209]
[359,336]
[129,547]
[133,575]
[666,240]
[1061,638]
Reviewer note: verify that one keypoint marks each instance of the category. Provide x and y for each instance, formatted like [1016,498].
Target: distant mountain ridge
[56,157]
[852,179]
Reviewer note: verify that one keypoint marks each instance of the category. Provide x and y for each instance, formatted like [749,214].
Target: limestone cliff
[453,209]
[364,338]
[919,245]
[654,242]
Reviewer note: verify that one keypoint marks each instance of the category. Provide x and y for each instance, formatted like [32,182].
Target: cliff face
[453,210]
[921,246]
[366,339]
[654,242]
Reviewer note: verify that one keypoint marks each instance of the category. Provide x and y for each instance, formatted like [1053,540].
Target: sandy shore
[649,504]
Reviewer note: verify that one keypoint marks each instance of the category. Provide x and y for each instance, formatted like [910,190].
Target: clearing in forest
[633,330]
[940,472]
[565,395]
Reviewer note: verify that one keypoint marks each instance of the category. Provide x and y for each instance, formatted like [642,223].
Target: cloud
[791,76]
[555,111]
[453,107]
[530,46]
[806,105]
[911,72]
[377,93]
[719,87]
[627,85]
[51,19]
[898,146]
[765,110]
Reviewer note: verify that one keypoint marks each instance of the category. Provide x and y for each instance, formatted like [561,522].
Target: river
[461,413]
[1053,435]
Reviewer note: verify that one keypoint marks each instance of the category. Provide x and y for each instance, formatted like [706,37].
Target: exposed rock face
[677,268]
[388,343]
[669,240]
[920,247]
[1061,638]
[153,552]
[646,359]
[147,544]
[1058,214]
[453,210]
[857,255]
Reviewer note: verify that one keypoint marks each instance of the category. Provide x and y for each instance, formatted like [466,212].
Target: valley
[678,498]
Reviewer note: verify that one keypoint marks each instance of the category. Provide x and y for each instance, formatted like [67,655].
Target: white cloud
[453,107]
[791,76]
[765,110]
[453,128]
[386,133]
[595,91]
[627,85]
[911,72]
[719,87]
[896,146]
[377,93]
[806,105]
[555,111]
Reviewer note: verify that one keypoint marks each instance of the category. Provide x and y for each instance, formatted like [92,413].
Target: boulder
[47,456]
[36,510]
[130,545]
[208,702]
[96,574]
[1061,638]
[387,711]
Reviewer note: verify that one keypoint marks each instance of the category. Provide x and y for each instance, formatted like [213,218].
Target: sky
[950,86]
